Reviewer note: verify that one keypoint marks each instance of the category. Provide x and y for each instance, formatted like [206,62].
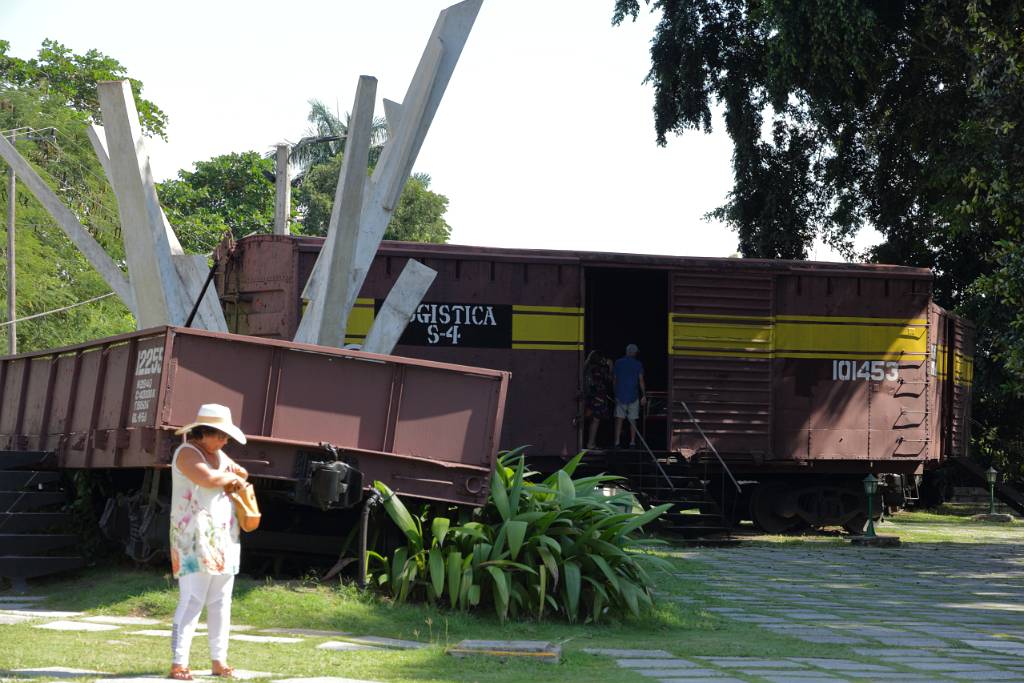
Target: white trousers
[197,590]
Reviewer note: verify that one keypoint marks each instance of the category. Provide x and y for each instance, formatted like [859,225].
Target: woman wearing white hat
[204,535]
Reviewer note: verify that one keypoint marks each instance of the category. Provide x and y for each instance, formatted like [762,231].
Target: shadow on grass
[123,589]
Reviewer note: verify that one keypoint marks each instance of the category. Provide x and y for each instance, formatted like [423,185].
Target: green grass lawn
[114,590]
[949,523]
[684,628]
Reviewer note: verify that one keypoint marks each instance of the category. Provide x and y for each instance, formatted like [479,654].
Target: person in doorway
[205,549]
[630,392]
[597,391]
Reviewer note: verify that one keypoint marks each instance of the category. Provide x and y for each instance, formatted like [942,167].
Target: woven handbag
[246,509]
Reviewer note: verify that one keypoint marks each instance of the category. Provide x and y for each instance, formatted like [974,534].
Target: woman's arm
[194,467]
[235,467]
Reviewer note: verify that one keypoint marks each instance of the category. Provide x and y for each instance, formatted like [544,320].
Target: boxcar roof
[613,259]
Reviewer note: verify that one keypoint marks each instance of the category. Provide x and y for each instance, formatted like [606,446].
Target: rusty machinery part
[779,506]
[327,479]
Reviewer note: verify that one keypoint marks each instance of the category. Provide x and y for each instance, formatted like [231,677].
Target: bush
[533,549]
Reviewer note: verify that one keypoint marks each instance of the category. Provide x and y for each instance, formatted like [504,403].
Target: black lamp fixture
[991,476]
[870,488]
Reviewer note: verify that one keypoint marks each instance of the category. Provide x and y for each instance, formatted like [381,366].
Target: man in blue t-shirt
[630,392]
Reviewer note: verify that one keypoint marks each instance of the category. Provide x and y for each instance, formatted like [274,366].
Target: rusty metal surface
[721,362]
[427,429]
[785,363]
[506,293]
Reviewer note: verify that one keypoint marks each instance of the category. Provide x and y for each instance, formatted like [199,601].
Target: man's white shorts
[630,410]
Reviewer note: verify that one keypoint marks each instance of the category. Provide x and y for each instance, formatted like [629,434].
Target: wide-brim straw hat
[216,416]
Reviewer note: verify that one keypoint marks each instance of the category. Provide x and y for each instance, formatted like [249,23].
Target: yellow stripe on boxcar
[963,369]
[360,320]
[547,328]
[798,337]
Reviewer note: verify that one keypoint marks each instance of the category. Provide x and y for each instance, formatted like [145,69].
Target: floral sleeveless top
[204,531]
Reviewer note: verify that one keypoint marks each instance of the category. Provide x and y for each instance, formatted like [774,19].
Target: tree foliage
[326,135]
[419,216]
[51,272]
[64,78]
[231,192]
[236,191]
[900,115]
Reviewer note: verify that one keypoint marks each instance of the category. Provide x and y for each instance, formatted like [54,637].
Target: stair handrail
[632,424]
[711,446]
[1004,491]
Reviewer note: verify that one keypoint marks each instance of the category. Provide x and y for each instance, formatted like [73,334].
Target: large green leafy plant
[536,548]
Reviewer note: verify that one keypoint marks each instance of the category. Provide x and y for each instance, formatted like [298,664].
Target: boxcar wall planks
[833,366]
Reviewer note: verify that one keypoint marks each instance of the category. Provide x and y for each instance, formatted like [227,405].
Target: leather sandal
[180,673]
[224,671]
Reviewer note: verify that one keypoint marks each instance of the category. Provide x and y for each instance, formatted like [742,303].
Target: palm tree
[325,138]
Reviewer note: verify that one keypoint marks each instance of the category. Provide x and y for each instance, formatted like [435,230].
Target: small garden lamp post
[870,488]
[991,476]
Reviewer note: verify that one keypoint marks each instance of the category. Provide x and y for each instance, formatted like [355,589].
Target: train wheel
[856,524]
[765,504]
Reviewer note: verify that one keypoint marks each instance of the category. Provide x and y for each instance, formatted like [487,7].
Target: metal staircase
[33,518]
[662,477]
[1004,492]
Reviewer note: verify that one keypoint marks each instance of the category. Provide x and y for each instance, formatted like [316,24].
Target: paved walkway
[917,613]
[921,612]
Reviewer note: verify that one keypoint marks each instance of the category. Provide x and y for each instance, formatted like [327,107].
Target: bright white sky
[544,139]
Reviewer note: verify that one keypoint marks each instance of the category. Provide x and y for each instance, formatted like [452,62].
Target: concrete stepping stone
[393,643]
[321,679]
[827,638]
[9,619]
[665,663]
[914,641]
[533,650]
[121,621]
[995,675]
[655,664]
[76,626]
[800,676]
[705,679]
[263,639]
[240,674]
[59,672]
[306,632]
[342,646]
[22,598]
[1003,646]
[201,627]
[614,652]
[949,667]
[843,665]
[753,662]
[689,675]
[42,613]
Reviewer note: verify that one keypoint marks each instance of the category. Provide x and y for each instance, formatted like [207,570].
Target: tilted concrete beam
[69,223]
[392,115]
[190,268]
[397,309]
[154,279]
[427,87]
[324,318]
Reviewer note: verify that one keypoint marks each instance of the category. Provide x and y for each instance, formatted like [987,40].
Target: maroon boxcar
[321,424]
[804,376]
[426,429]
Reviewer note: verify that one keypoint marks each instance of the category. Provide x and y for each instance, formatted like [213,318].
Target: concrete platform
[534,650]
